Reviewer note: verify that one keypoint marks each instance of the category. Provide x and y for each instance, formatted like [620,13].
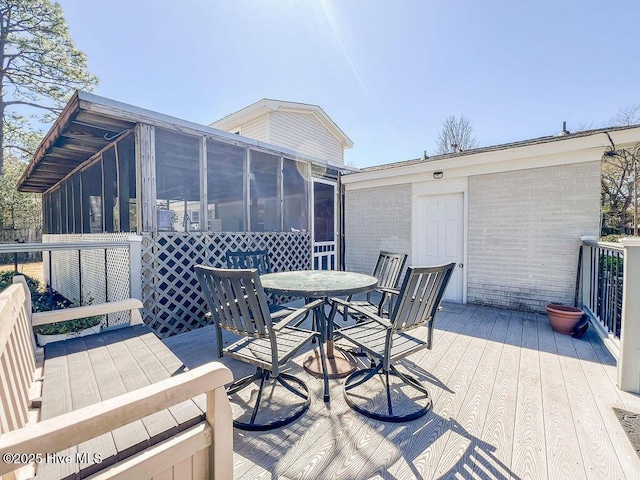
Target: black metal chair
[238,304]
[258,259]
[387,341]
[387,270]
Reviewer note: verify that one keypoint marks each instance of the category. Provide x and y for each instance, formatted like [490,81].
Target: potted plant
[563,318]
[55,332]
[42,301]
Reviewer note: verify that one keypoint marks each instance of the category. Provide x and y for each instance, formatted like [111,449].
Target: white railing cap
[589,238]
[630,241]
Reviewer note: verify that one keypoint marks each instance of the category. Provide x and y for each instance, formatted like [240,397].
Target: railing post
[587,249]
[219,417]
[135,266]
[629,358]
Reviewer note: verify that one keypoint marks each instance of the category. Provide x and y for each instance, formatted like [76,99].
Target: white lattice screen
[103,274]
[171,296]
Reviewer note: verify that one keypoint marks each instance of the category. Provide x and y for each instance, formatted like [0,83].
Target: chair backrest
[258,259]
[420,295]
[236,300]
[389,268]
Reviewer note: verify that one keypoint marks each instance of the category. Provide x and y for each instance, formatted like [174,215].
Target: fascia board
[424,172]
[530,156]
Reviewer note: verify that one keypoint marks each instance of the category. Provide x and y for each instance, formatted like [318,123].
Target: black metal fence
[604,267]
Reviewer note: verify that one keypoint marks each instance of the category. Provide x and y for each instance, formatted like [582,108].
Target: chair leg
[265,376]
[325,374]
[283,379]
[354,380]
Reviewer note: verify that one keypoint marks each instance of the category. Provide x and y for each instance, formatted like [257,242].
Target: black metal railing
[602,294]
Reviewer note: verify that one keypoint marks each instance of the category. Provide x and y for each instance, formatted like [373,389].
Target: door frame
[435,188]
[336,242]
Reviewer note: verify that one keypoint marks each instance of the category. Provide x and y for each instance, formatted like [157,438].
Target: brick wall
[524,233]
[376,219]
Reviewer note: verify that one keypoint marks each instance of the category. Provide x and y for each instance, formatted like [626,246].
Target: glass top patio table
[321,284]
[318,283]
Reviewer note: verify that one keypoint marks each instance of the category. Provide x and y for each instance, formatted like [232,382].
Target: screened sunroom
[108,170]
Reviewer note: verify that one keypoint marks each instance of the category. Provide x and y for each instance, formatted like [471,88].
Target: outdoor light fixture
[438,175]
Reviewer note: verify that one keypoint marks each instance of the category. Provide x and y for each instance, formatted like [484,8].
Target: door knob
[461,265]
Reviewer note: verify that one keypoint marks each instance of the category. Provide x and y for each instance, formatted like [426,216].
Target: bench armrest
[64,431]
[74,313]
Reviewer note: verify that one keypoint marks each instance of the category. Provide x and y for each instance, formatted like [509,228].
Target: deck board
[529,452]
[508,394]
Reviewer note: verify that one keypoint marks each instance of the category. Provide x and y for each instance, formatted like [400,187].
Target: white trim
[334,184]
[443,187]
[552,153]
[266,105]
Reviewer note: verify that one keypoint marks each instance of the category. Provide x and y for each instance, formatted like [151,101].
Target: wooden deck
[511,398]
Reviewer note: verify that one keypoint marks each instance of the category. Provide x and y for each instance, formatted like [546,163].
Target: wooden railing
[203,451]
[610,283]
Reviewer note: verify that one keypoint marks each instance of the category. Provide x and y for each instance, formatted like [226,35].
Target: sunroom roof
[90,122]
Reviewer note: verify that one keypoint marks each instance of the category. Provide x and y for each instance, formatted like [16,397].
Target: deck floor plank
[529,452]
[85,392]
[507,392]
[606,399]
[111,384]
[559,430]
[57,387]
[598,456]
[355,442]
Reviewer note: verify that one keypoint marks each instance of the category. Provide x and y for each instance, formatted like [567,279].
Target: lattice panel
[64,268]
[172,299]
[105,273]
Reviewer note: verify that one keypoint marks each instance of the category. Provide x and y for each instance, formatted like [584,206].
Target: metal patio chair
[239,304]
[387,270]
[258,259]
[387,341]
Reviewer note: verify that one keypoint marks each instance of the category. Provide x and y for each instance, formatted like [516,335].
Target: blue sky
[387,72]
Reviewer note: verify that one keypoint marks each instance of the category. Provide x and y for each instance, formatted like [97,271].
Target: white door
[324,225]
[440,237]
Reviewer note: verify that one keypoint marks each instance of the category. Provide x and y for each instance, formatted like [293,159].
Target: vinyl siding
[256,129]
[305,134]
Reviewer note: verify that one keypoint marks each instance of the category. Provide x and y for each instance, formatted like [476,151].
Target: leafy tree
[40,67]
[456,135]
[17,209]
[619,170]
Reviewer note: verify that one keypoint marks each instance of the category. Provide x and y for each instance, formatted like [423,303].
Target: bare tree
[620,178]
[627,116]
[456,135]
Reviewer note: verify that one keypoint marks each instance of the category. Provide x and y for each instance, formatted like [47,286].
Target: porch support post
[146,177]
[629,358]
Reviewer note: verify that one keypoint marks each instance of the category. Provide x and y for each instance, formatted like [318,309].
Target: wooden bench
[118,404]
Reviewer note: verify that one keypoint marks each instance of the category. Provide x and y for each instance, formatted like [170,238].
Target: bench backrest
[17,359]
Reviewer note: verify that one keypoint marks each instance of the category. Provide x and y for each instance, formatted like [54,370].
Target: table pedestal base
[339,366]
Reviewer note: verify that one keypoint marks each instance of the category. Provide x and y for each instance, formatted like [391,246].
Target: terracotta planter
[563,318]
